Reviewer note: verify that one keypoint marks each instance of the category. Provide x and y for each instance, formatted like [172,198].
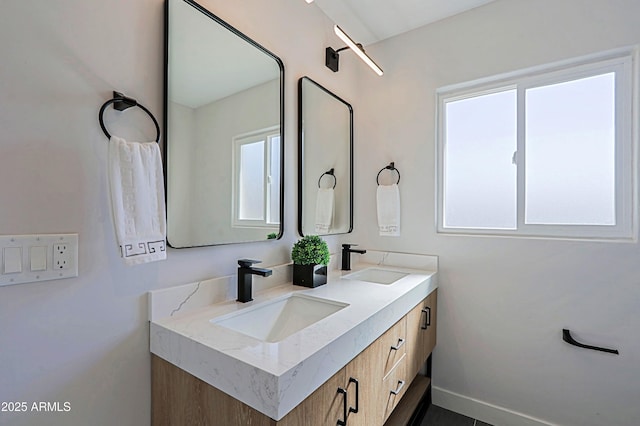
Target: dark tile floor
[437,416]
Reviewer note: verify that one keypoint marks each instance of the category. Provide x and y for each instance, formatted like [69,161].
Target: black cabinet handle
[351,409]
[344,407]
[566,336]
[399,345]
[399,388]
[427,318]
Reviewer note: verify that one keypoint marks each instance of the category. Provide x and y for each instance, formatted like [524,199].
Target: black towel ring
[122,102]
[330,173]
[391,167]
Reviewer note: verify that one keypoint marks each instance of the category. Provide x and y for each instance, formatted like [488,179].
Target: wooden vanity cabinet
[373,385]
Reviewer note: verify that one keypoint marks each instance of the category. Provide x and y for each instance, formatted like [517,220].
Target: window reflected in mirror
[257,180]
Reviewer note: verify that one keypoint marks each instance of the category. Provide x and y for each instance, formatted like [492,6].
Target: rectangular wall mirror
[325,161]
[224,116]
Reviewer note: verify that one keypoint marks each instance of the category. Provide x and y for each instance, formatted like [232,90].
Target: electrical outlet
[61,256]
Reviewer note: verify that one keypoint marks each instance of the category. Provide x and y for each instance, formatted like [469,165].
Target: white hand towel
[388,200]
[324,210]
[137,199]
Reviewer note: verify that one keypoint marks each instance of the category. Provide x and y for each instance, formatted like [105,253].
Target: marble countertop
[275,377]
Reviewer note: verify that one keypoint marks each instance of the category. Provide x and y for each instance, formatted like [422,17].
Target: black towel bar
[566,336]
[121,102]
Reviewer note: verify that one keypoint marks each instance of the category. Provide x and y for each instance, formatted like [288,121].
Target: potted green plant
[310,257]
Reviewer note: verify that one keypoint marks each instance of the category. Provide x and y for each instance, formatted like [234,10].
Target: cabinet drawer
[394,386]
[393,345]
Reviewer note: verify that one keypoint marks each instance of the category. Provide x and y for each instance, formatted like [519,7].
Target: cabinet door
[421,332]
[364,394]
[429,334]
[323,407]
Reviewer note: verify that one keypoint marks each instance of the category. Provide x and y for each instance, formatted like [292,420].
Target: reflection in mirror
[325,161]
[223,120]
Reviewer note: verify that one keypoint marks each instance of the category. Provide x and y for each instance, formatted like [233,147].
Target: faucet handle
[246,263]
[346,246]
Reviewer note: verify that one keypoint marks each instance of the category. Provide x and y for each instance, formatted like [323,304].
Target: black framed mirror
[223,132]
[325,161]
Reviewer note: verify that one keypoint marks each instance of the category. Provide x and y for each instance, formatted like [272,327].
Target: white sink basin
[378,276]
[275,320]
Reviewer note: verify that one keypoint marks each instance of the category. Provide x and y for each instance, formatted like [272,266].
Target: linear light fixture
[332,57]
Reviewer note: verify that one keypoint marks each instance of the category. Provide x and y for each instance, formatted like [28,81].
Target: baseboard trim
[483,411]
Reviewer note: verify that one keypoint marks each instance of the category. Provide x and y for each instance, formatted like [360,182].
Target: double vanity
[347,352]
[253,348]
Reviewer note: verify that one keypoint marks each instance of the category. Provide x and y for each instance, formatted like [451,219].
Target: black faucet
[245,271]
[346,255]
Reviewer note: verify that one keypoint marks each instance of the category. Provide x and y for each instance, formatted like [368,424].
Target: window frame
[623,63]
[266,135]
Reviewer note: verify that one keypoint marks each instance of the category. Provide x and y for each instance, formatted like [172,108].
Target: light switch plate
[38,258]
[12,257]
[41,257]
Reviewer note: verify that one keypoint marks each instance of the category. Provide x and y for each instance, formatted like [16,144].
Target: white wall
[85,340]
[504,301]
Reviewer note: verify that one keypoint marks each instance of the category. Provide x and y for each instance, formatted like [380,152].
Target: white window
[257,178]
[546,152]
